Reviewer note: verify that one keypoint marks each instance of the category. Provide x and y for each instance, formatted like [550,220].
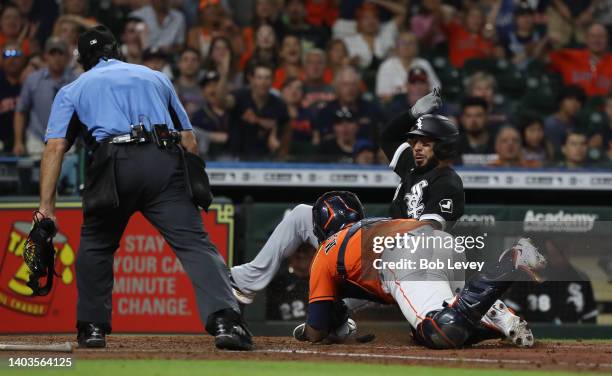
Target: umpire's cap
[333,211]
[439,128]
[94,44]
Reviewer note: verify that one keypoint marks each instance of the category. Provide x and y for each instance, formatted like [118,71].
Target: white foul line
[420,357]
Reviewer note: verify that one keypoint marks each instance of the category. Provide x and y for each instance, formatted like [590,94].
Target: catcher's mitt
[39,254]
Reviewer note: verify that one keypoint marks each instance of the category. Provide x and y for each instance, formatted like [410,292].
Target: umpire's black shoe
[91,335]
[230,332]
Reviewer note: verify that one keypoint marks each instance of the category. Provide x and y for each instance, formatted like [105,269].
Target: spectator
[13,28]
[300,138]
[221,58]
[211,121]
[574,150]
[321,13]
[475,145]
[590,67]
[536,148]
[508,149]
[337,56]
[427,25]
[68,29]
[133,40]
[340,148]
[113,14]
[257,116]
[417,84]
[364,152]
[469,39]
[287,294]
[569,103]
[524,43]
[13,62]
[41,16]
[266,12]
[373,41]
[483,85]
[290,61]
[186,84]
[366,114]
[78,9]
[34,104]
[212,16]
[310,36]
[568,19]
[265,51]
[317,79]
[165,26]
[392,75]
[155,59]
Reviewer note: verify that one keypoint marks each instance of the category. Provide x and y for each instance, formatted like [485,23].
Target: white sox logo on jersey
[414,200]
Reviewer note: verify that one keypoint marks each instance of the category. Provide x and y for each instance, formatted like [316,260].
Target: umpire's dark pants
[151,181]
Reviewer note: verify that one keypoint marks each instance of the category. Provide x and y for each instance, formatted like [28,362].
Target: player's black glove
[427,104]
[39,254]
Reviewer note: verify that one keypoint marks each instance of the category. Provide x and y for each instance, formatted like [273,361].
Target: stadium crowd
[315,80]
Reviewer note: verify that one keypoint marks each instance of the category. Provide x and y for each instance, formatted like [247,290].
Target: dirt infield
[549,355]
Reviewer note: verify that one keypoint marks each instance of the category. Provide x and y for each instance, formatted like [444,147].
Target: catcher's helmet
[439,128]
[96,43]
[333,211]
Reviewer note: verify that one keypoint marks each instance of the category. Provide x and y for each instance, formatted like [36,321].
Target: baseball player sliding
[348,264]
[420,147]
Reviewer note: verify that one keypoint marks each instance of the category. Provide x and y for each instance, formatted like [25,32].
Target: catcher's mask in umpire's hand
[335,210]
[39,254]
[439,128]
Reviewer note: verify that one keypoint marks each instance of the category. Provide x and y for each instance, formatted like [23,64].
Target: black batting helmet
[333,211]
[95,43]
[439,128]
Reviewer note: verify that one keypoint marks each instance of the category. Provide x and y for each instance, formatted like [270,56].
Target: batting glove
[427,104]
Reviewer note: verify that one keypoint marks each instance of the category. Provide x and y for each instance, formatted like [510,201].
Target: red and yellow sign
[151,293]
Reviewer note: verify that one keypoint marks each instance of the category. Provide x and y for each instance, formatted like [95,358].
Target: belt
[129,138]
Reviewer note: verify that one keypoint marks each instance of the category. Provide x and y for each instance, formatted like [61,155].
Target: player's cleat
[91,335]
[230,332]
[526,257]
[241,296]
[515,330]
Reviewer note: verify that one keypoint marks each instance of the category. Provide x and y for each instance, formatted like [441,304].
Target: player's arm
[445,203]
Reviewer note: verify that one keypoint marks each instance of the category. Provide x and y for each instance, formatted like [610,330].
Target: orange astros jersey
[342,268]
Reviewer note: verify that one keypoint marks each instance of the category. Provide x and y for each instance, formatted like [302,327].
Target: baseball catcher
[343,268]
[39,254]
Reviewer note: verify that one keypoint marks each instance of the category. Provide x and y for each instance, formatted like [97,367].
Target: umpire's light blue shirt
[113,95]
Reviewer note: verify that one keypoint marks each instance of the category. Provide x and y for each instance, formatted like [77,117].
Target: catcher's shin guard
[482,290]
[444,329]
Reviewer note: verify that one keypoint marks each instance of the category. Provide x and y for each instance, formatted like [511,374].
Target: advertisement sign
[151,293]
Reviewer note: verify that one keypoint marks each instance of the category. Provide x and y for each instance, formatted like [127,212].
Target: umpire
[136,132]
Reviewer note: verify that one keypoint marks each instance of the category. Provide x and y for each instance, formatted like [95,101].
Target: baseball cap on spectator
[343,114]
[417,74]
[56,44]
[363,145]
[153,53]
[208,77]
[523,9]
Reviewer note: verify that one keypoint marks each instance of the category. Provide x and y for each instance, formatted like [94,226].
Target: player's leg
[295,229]
[455,324]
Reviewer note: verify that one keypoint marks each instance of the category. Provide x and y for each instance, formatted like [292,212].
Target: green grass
[256,368]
